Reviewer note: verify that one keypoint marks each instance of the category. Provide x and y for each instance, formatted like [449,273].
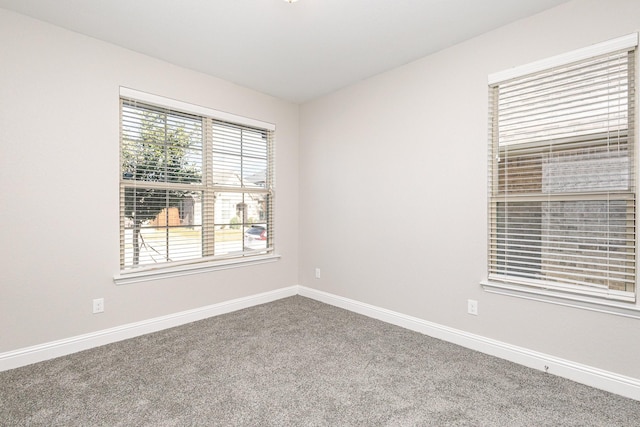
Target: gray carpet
[296,362]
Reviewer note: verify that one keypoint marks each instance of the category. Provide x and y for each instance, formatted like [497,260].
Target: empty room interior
[464,171]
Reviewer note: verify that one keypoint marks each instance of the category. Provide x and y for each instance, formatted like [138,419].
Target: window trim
[198,110]
[187,268]
[624,42]
[206,263]
[622,305]
[597,304]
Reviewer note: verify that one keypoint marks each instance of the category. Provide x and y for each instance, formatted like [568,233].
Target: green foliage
[157,153]
[235,223]
[156,148]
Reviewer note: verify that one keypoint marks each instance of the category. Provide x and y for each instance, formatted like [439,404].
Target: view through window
[562,178]
[192,187]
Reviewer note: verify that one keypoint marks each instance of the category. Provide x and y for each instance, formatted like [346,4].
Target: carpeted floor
[296,362]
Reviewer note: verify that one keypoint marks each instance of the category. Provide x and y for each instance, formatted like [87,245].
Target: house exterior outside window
[194,188]
[562,178]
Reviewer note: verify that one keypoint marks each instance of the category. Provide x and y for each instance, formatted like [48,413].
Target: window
[562,186]
[193,187]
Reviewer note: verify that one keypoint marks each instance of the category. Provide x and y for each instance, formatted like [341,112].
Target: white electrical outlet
[317,273]
[472,307]
[98,305]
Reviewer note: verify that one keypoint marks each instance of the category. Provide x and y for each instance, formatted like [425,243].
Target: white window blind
[562,177]
[193,188]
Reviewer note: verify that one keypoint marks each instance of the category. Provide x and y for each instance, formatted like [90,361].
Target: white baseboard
[605,380]
[598,378]
[46,351]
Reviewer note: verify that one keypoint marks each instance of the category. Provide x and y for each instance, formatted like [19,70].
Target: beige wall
[59,173]
[394,204]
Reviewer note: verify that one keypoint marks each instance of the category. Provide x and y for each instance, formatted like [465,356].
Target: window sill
[125,278]
[553,297]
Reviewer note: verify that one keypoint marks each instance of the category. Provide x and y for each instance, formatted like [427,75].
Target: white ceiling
[296,51]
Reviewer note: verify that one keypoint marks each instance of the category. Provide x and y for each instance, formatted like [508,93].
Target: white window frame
[623,306]
[210,263]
